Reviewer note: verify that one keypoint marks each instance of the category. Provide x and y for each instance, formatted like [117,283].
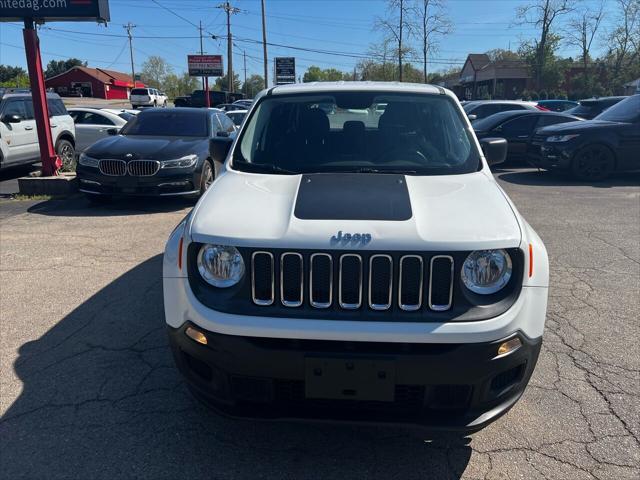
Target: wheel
[207,177]
[155,103]
[98,199]
[593,163]
[66,152]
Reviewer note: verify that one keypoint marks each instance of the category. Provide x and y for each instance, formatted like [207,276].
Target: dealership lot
[89,389]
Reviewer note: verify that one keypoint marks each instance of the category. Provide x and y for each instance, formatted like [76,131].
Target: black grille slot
[321,278]
[411,281]
[143,168]
[380,282]
[441,283]
[262,278]
[508,378]
[450,397]
[113,167]
[350,288]
[291,279]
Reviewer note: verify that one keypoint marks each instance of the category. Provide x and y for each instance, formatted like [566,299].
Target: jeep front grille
[351,281]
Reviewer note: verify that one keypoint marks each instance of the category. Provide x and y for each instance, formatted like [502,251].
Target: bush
[544,95]
[534,95]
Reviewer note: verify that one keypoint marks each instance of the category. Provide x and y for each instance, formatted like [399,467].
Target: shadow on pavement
[556,179]
[80,206]
[101,399]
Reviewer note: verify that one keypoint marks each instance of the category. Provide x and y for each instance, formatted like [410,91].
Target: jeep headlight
[486,271]
[182,162]
[88,161]
[562,138]
[220,265]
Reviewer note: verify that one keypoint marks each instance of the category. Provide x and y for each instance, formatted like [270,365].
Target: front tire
[67,153]
[593,163]
[206,177]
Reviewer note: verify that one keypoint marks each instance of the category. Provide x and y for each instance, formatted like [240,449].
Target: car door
[20,139]
[90,127]
[227,124]
[518,132]
[629,158]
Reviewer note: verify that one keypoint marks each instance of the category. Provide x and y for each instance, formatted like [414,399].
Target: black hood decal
[353,196]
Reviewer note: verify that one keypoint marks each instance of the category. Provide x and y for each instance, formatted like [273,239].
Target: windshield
[126,116]
[167,124]
[356,132]
[236,117]
[628,110]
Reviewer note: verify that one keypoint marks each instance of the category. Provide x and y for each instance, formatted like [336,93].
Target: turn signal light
[196,335]
[509,346]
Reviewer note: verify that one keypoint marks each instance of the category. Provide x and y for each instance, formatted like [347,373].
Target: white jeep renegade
[356,260]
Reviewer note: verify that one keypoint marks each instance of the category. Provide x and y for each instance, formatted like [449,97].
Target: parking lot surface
[89,389]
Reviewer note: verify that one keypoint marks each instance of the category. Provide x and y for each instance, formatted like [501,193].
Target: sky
[341,29]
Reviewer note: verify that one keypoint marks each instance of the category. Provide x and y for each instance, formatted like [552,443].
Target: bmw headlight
[182,162]
[486,271]
[562,138]
[88,161]
[220,265]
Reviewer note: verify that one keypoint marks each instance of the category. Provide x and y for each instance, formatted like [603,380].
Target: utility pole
[230,11]
[205,79]
[201,49]
[264,47]
[128,28]
[244,59]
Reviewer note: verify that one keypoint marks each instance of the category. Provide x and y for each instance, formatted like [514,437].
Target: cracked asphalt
[88,388]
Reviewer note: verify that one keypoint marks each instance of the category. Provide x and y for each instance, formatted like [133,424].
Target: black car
[592,107]
[518,128]
[592,150]
[159,152]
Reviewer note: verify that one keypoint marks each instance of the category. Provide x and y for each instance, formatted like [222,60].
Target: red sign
[205,65]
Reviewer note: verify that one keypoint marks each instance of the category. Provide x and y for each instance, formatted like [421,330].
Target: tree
[56,67]
[499,54]
[316,74]
[253,85]
[582,31]
[176,86]
[624,39]
[543,14]
[155,71]
[222,83]
[430,22]
[395,26]
[8,72]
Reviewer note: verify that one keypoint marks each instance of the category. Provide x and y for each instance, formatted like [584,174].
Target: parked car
[230,107]
[592,107]
[557,105]
[197,99]
[246,103]
[92,124]
[518,127]
[19,136]
[349,273]
[158,152]
[594,149]
[237,116]
[147,97]
[123,112]
[479,109]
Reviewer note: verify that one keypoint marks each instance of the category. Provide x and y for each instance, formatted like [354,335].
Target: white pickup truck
[148,97]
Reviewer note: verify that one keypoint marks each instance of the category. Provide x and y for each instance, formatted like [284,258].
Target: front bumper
[554,156]
[168,182]
[460,387]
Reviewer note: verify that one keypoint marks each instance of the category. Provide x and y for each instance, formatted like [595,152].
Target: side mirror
[219,148]
[494,149]
[112,131]
[11,118]
[472,117]
[222,134]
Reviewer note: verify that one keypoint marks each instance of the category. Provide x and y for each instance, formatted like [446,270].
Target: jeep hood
[453,212]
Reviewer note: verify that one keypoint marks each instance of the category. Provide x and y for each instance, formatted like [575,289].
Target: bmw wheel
[593,163]
[207,177]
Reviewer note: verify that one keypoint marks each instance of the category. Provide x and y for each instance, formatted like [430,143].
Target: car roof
[365,86]
[193,111]
[237,111]
[27,94]
[603,99]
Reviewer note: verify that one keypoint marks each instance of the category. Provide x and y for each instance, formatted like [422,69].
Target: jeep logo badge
[351,239]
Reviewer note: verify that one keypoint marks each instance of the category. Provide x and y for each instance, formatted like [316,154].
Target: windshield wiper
[264,167]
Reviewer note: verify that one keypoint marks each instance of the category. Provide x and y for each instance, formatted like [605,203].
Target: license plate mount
[350,379]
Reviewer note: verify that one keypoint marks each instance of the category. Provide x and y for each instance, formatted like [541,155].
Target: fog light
[509,346]
[196,335]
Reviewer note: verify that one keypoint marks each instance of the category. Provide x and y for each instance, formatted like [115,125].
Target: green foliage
[534,96]
[316,74]
[154,72]
[253,85]
[222,83]
[56,67]
[543,95]
[19,81]
[180,85]
[8,73]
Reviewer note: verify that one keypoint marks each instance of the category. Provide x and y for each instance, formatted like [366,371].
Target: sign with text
[205,65]
[285,70]
[55,10]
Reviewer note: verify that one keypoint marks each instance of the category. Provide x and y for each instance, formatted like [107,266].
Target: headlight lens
[220,265]
[561,138]
[486,271]
[183,162]
[88,161]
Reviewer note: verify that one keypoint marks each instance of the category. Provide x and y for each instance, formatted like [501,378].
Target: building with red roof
[92,82]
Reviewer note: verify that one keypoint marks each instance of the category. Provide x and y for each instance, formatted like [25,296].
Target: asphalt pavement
[89,389]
